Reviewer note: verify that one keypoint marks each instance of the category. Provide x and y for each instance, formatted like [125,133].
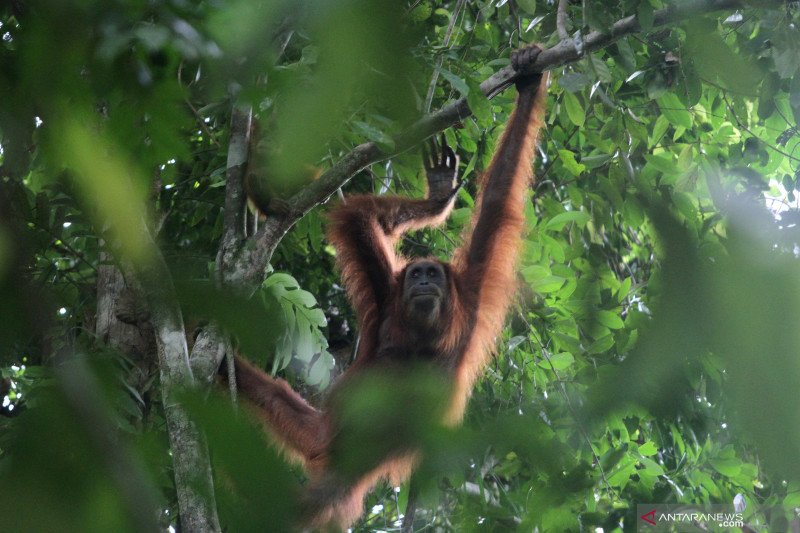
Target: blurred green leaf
[674,110]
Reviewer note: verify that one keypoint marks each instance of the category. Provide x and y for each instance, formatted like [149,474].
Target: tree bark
[191,463]
[122,322]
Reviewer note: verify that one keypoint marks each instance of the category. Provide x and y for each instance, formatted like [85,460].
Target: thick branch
[561,19]
[190,458]
[233,214]
[211,344]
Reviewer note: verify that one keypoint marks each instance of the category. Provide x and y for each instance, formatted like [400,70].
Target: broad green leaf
[279,278]
[600,68]
[626,55]
[787,63]
[478,103]
[458,83]
[713,57]
[609,319]
[644,16]
[534,273]
[374,134]
[562,219]
[574,81]
[574,110]
[726,467]
[528,6]
[601,345]
[624,288]
[622,472]
[663,163]
[559,361]
[316,317]
[569,162]
[648,448]
[549,284]
[766,97]
[652,467]
[554,248]
[686,157]
[674,110]
[421,12]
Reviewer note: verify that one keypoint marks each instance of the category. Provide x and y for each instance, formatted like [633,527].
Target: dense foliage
[650,357]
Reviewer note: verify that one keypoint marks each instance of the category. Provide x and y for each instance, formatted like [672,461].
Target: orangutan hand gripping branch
[447,314]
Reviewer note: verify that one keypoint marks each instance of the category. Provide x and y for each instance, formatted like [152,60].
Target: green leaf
[609,319]
[648,448]
[528,6]
[601,345]
[600,68]
[300,297]
[674,110]
[279,278]
[633,212]
[574,81]
[569,162]
[644,16]
[625,53]
[478,103]
[787,62]
[374,134]
[317,317]
[534,273]
[559,361]
[727,467]
[421,12]
[549,284]
[574,110]
[652,467]
[458,84]
[663,163]
[686,157]
[713,57]
[554,248]
[624,288]
[562,219]
[622,472]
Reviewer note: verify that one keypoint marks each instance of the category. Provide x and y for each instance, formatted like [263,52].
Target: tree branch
[212,343]
[192,468]
[561,19]
[233,214]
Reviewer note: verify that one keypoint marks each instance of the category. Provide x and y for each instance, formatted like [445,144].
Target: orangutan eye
[432,273]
